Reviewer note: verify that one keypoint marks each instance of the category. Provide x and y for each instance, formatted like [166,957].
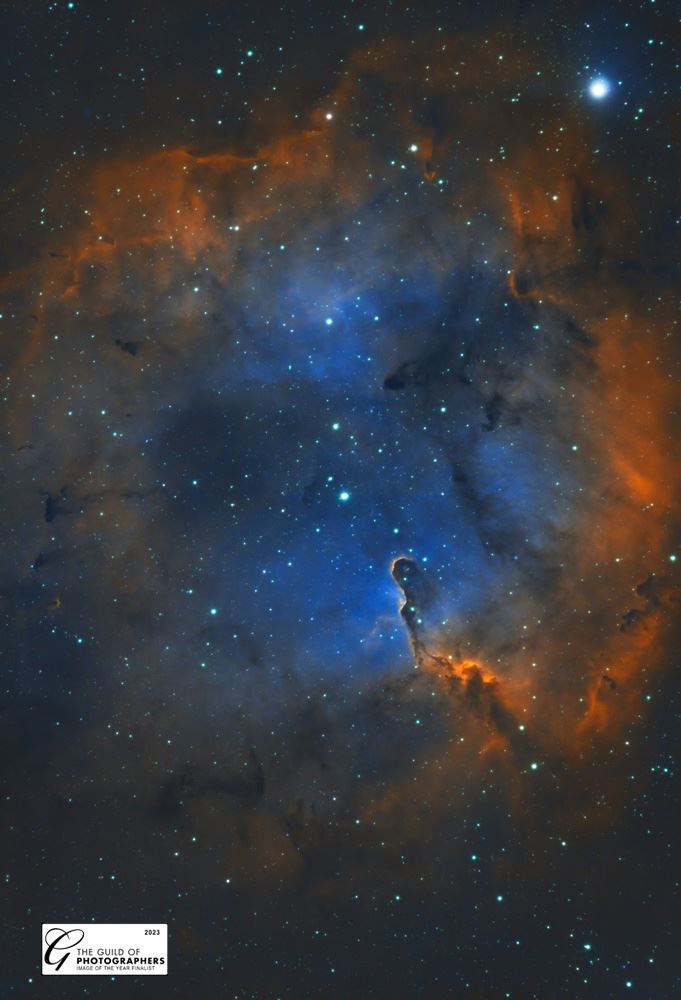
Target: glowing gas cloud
[352,435]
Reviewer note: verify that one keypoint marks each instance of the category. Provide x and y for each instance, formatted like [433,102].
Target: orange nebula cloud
[549,219]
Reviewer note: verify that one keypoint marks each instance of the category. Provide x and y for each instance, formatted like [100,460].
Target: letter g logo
[58,940]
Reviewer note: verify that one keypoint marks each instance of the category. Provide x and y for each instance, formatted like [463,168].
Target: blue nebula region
[367,407]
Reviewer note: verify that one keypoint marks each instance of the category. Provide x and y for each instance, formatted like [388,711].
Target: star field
[340,580]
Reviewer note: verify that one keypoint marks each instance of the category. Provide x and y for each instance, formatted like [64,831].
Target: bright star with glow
[599,88]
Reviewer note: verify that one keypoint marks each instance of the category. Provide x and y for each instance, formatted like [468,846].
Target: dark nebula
[341,476]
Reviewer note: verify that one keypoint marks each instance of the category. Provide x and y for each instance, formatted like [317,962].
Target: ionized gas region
[366,420]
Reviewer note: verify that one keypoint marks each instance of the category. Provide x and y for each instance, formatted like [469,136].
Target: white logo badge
[105,949]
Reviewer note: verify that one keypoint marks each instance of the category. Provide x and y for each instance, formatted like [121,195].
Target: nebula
[340,492]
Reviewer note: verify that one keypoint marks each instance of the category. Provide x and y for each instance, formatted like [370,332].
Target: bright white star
[599,88]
